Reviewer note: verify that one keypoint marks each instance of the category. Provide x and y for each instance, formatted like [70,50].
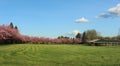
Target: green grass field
[59,55]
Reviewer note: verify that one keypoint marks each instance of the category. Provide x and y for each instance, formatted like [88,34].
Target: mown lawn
[59,55]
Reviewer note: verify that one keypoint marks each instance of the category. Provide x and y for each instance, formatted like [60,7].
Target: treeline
[9,34]
[90,35]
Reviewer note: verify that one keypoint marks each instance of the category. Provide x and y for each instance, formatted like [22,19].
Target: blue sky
[51,18]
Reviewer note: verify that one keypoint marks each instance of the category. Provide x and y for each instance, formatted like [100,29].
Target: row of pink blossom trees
[10,35]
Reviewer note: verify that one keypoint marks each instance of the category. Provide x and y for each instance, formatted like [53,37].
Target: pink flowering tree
[9,35]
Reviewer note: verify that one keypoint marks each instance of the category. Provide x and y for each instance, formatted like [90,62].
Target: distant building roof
[107,41]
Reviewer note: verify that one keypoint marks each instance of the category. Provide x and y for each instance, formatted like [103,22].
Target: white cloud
[82,20]
[103,15]
[115,10]
[111,12]
[74,32]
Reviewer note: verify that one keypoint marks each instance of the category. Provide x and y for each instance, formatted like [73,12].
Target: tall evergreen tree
[11,25]
[16,27]
[84,37]
[78,36]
